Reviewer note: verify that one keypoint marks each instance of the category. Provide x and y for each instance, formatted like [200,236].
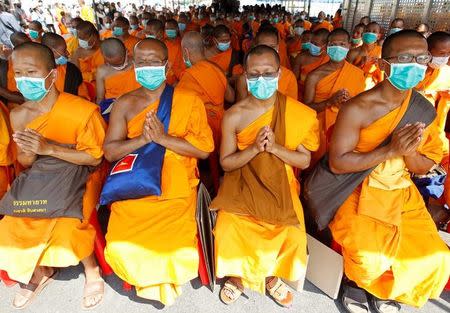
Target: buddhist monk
[69,78]
[157,268]
[366,56]
[135,28]
[337,20]
[294,45]
[397,25]
[306,42]
[121,28]
[390,244]
[307,62]
[287,83]
[72,37]
[173,43]
[357,35]
[31,249]
[183,21]
[88,56]
[35,31]
[116,77]
[323,23]
[154,29]
[365,20]
[424,29]
[259,243]
[107,31]
[207,35]
[207,80]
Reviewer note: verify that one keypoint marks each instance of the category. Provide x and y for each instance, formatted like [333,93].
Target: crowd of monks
[265,95]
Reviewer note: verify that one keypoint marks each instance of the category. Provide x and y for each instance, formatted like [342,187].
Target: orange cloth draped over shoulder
[294,47]
[175,59]
[255,27]
[129,43]
[337,22]
[252,249]
[390,244]
[223,60]
[307,25]
[325,25]
[136,32]
[57,242]
[283,53]
[61,80]
[89,65]
[105,34]
[158,268]
[120,83]
[281,30]
[7,150]
[305,70]
[372,71]
[72,44]
[192,27]
[208,81]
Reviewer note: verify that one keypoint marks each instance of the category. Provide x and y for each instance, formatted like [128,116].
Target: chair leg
[202,270]
[99,246]
[6,280]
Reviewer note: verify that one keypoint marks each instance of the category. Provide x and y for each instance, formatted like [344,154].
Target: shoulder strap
[73,79]
[165,106]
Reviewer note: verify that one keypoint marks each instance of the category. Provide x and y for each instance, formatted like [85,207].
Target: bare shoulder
[21,115]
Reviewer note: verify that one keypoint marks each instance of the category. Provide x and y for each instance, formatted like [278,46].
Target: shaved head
[437,38]
[35,25]
[321,35]
[41,54]
[260,51]
[87,28]
[338,32]
[53,40]
[221,30]
[150,45]
[267,32]
[401,41]
[157,25]
[18,38]
[113,47]
[193,41]
[122,22]
[373,27]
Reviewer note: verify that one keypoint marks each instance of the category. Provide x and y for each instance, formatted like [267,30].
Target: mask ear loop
[53,82]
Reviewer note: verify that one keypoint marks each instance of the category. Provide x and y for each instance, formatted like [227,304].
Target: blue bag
[106,107]
[138,174]
[431,184]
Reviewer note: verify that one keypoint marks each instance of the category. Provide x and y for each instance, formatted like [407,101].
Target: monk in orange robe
[135,28]
[366,56]
[294,45]
[64,68]
[71,37]
[287,83]
[307,62]
[207,80]
[323,24]
[221,52]
[173,43]
[337,20]
[88,56]
[157,268]
[358,30]
[31,248]
[331,84]
[390,244]
[7,150]
[35,31]
[276,249]
[116,77]
[121,30]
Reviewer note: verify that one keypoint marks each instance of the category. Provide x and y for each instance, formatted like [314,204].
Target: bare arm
[241,88]
[229,94]
[299,158]
[310,94]
[352,55]
[100,83]
[296,65]
[418,163]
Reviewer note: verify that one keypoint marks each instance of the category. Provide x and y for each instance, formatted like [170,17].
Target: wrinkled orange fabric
[135,32]
[251,249]
[337,22]
[325,25]
[120,83]
[372,71]
[283,53]
[255,27]
[107,33]
[222,59]
[175,59]
[208,81]
[129,43]
[294,46]
[305,70]
[58,242]
[390,244]
[192,27]
[61,80]
[158,268]
[89,65]
[281,30]
[307,25]
[72,44]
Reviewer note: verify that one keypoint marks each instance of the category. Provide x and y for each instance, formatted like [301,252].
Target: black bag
[324,192]
[73,79]
[50,188]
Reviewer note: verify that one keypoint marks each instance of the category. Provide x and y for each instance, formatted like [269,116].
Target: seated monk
[207,35]
[207,80]
[397,25]
[35,31]
[338,20]
[287,84]
[154,29]
[358,30]
[390,244]
[260,235]
[135,28]
[157,267]
[106,31]
[88,56]
[294,45]
[173,44]
[121,28]
[323,23]
[68,78]
[7,151]
[305,63]
[329,86]
[182,24]
[143,19]
[116,77]
[366,56]
[72,37]
[32,248]
[424,29]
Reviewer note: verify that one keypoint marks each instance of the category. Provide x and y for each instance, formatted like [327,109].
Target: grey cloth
[8,25]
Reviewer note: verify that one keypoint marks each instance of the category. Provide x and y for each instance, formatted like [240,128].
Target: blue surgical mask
[150,36]
[187,62]
[61,60]
[33,88]
[356,41]
[275,20]
[262,88]
[117,31]
[393,31]
[108,25]
[151,77]
[171,33]
[299,31]
[337,53]
[134,26]
[306,45]
[406,76]
[84,44]
[73,31]
[182,26]
[369,38]
[223,46]
[314,50]
[33,34]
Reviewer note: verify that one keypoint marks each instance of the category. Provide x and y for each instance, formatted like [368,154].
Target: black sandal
[353,299]
[383,306]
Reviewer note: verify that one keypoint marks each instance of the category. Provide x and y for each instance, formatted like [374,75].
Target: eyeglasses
[266,76]
[408,58]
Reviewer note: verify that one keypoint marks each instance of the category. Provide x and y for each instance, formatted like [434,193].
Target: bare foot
[94,287]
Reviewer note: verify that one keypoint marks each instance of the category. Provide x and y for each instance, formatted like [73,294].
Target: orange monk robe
[325,25]
[251,249]
[61,80]
[337,22]
[136,32]
[255,27]
[7,150]
[208,81]
[372,71]
[158,268]
[305,70]
[238,27]
[62,28]
[389,241]
[105,34]
[176,61]
[129,43]
[58,242]
[89,65]
[235,42]
[307,25]
[294,46]
[283,53]
[192,27]
[72,44]
[120,83]
[222,59]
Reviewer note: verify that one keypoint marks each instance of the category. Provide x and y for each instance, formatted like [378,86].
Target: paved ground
[64,296]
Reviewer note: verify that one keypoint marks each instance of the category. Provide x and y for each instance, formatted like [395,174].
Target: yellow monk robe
[389,241]
[305,70]
[209,82]
[59,242]
[105,34]
[325,25]
[251,249]
[121,83]
[372,71]
[89,65]
[7,150]
[151,242]
[72,44]
[175,59]
[61,80]
[129,43]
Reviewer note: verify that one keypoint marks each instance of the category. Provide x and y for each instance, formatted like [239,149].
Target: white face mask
[438,62]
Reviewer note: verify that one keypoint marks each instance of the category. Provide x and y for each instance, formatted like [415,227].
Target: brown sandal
[93,289]
[30,291]
[280,293]
[230,292]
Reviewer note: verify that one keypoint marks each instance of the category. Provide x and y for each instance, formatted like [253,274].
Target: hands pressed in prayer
[406,140]
[154,128]
[265,140]
[31,142]
[339,97]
